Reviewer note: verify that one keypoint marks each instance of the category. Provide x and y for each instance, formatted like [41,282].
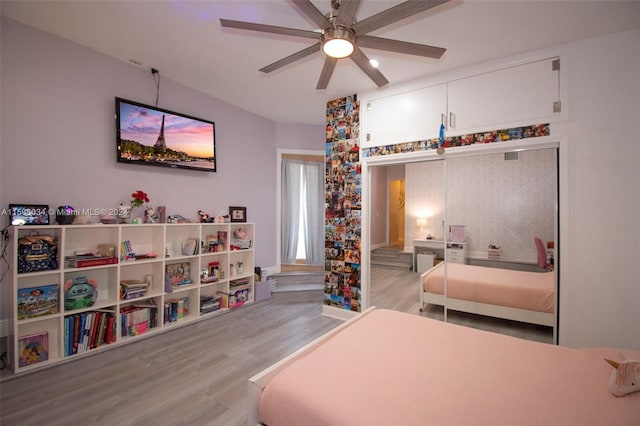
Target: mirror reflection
[478,245]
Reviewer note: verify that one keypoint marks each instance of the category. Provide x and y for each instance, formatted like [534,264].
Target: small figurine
[625,377]
[204,217]
[124,212]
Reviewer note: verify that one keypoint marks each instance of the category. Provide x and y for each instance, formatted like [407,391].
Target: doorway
[396,213]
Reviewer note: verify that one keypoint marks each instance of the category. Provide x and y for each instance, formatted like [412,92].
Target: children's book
[179,273]
[33,348]
[37,301]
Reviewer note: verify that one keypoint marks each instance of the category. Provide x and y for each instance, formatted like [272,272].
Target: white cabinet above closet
[502,95]
[405,117]
[519,95]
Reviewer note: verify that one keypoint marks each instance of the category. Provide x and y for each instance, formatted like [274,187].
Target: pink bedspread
[532,291]
[391,368]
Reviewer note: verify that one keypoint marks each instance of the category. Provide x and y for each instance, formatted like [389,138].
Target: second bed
[503,293]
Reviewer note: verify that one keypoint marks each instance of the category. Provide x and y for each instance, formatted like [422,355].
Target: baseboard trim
[338,313]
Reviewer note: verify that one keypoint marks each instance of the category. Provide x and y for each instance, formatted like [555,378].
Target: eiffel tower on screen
[160,143]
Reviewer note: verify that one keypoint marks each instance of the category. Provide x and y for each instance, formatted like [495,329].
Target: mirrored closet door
[472,221]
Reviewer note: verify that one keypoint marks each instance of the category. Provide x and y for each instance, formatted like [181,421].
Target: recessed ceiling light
[374,63]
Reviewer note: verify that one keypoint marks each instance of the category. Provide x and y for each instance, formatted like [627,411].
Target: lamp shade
[338,42]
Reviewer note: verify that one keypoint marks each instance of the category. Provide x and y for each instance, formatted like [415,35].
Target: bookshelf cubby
[217,269]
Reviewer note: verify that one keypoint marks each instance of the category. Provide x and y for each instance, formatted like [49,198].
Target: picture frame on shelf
[238,214]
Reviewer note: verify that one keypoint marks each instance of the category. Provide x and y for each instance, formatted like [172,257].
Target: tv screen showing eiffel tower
[158,137]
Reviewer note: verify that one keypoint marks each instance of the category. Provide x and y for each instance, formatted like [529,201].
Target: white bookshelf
[214,252]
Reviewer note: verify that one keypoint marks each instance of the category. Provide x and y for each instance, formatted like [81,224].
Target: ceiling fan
[340,36]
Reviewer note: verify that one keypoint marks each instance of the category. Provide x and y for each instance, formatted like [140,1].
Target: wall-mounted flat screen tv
[158,137]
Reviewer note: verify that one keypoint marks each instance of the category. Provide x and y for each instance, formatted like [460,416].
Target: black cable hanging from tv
[156,80]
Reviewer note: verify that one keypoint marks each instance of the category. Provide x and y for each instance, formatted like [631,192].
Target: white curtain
[297,176]
[313,177]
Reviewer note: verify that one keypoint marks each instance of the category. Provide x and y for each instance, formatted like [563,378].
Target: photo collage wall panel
[504,135]
[343,203]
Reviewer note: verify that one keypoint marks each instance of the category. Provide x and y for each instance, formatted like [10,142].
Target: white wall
[58,138]
[378,228]
[599,245]
[600,300]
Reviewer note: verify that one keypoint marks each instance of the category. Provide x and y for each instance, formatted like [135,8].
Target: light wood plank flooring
[398,289]
[194,375]
[197,374]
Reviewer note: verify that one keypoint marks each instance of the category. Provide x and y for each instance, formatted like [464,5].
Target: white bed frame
[259,381]
[496,311]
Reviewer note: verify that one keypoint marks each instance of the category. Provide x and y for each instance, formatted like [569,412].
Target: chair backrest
[542,253]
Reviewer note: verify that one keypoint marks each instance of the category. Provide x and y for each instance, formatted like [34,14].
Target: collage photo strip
[343,205]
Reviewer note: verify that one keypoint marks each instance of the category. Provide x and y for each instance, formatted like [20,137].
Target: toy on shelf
[81,292]
[176,218]
[241,241]
[124,213]
[204,217]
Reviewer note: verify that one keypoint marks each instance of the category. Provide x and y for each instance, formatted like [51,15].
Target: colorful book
[179,273]
[66,336]
[33,349]
[102,326]
[87,261]
[94,331]
[76,331]
[109,332]
[37,301]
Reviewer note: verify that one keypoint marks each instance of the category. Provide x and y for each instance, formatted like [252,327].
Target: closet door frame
[560,213]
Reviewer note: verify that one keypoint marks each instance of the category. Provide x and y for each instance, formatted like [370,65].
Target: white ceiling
[184,41]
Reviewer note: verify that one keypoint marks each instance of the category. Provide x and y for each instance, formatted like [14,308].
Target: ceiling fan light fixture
[338,42]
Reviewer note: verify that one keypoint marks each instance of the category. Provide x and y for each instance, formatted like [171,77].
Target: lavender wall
[57,141]
[300,136]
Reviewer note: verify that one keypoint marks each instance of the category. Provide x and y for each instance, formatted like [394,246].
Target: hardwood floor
[398,290]
[197,374]
[194,375]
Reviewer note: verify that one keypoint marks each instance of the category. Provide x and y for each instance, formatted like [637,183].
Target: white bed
[503,293]
[390,368]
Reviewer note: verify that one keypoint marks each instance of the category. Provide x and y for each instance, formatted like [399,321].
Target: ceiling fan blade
[400,46]
[327,71]
[228,23]
[312,12]
[394,14]
[362,61]
[347,12]
[291,58]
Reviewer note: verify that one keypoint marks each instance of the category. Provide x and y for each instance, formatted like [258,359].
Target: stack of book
[176,309]
[88,330]
[131,289]
[137,319]
[209,304]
